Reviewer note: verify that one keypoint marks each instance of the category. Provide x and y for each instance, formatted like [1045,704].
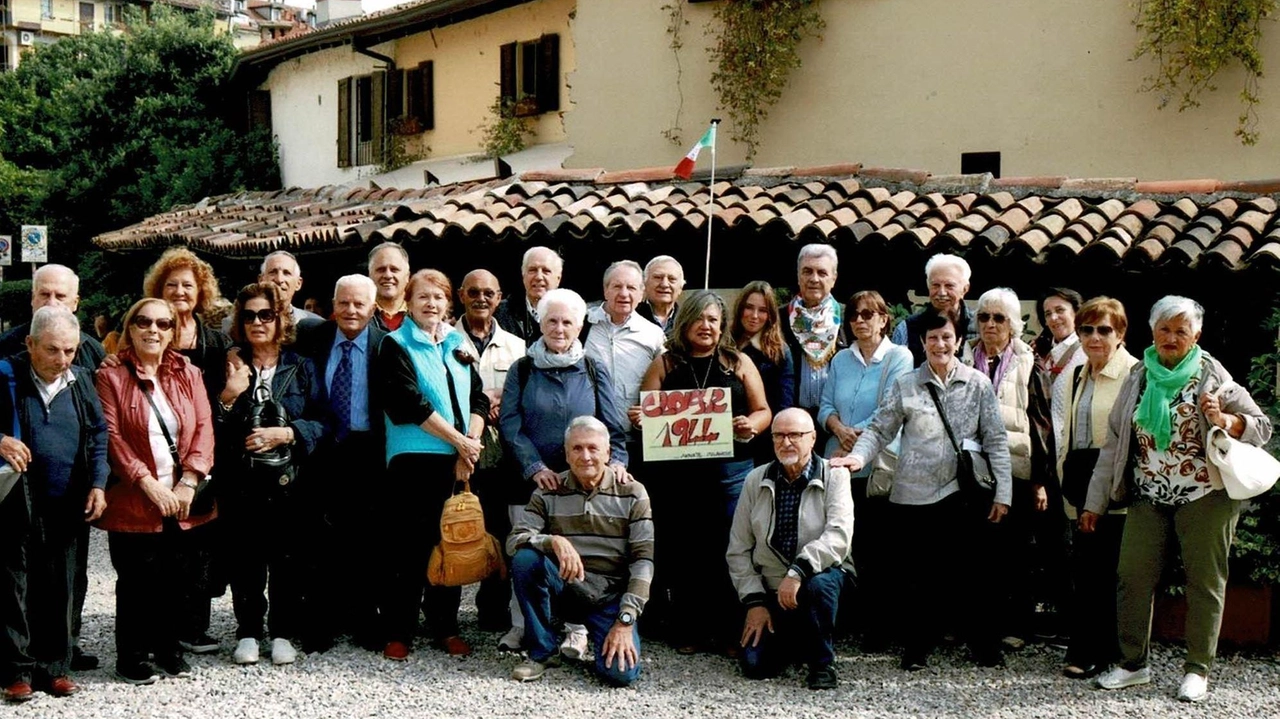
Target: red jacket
[129,450]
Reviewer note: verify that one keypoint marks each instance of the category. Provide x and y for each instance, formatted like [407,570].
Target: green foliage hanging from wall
[503,132]
[755,51]
[1193,40]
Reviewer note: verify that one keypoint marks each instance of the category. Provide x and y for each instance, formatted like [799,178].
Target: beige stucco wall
[914,83]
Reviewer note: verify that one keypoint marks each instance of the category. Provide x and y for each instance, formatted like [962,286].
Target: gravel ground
[349,682]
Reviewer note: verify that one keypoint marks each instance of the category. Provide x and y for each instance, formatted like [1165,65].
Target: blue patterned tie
[340,392]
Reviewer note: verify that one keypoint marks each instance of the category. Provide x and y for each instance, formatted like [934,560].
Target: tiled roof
[1193,224]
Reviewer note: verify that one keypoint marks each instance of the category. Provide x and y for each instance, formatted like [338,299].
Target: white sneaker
[1119,678]
[246,651]
[1194,688]
[512,640]
[282,652]
[574,646]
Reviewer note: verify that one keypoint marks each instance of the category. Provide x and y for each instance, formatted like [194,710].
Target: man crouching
[789,555]
[587,546]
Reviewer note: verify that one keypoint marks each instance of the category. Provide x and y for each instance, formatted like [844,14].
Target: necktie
[340,391]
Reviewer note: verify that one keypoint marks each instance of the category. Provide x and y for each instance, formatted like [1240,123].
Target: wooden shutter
[427,85]
[344,122]
[549,73]
[507,77]
[378,116]
[260,109]
[395,97]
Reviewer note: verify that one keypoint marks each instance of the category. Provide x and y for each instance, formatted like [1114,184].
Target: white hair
[531,253]
[361,282]
[1005,301]
[53,318]
[663,259]
[567,299]
[279,253]
[619,265]
[55,269]
[1172,306]
[817,250]
[404,254]
[586,423]
[944,262]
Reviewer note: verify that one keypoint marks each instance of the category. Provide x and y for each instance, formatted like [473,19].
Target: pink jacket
[129,450]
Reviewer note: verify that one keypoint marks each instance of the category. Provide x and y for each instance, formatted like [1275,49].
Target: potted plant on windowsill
[406,125]
[526,106]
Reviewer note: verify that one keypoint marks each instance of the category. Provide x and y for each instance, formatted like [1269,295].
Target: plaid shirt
[786,508]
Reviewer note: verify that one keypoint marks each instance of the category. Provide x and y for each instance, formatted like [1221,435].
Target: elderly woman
[944,542]
[757,334]
[700,495]
[1101,324]
[259,461]
[544,391]
[161,448]
[1155,458]
[435,407]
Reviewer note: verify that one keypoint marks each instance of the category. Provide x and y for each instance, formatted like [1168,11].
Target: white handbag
[1247,471]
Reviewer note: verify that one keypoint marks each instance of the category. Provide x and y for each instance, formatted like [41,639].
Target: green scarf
[1163,383]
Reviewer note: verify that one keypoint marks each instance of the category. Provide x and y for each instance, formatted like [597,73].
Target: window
[412,99]
[530,75]
[976,163]
[361,119]
[86,17]
[46,9]
[113,13]
[4,56]
[6,18]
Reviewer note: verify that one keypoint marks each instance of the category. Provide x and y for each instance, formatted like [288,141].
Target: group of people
[304,461]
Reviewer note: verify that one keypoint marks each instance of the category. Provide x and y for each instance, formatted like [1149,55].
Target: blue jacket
[853,391]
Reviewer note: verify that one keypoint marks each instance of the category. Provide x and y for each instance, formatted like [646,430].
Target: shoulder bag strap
[1072,405]
[173,447]
[933,392]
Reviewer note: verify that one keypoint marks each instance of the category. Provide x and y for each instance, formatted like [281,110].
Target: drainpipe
[391,67]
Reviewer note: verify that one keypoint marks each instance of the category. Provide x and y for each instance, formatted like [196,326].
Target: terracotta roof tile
[895,174]
[585,174]
[1178,187]
[1045,182]
[838,170]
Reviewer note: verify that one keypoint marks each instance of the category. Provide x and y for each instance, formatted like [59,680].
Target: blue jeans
[536,580]
[806,632]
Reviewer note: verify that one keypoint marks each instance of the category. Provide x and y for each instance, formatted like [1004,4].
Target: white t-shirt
[159,446]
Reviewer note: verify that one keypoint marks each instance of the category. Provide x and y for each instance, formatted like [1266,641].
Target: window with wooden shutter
[344,122]
[378,117]
[548,70]
[427,108]
[507,77]
[530,75]
[260,109]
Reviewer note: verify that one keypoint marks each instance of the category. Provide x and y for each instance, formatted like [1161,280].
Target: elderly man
[948,278]
[281,269]
[663,283]
[540,270]
[813,326]
[497,350]
[587,547]
[789,555]
[54,286]
[60,443]
[389,270]
[343,350]
[619,338]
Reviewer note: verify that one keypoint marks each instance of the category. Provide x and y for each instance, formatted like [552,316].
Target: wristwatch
[626,618]
[189,483]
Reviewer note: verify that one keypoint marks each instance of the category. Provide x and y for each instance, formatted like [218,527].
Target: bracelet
[189,483]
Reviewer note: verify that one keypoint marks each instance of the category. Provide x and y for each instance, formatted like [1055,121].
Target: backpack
[466,553]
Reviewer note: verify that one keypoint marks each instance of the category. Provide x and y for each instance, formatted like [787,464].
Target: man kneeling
[789,555]
[587,547]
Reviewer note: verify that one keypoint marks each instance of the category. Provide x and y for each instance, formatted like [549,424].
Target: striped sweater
[611,528]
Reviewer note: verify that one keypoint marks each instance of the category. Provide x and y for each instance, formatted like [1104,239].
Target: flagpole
[711,201]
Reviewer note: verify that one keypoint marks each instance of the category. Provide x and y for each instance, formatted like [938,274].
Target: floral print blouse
[1179,474]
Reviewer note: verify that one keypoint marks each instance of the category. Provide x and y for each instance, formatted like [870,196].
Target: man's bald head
[793,419]
[479,295]
[793,439]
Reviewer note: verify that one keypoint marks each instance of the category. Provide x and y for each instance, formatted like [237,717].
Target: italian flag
[685,169]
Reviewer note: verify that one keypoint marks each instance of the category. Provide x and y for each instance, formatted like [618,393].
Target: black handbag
[973,472]
[265,410]
[203,501]
[1077,471]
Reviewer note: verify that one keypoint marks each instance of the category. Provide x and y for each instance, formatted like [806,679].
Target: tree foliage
[104,129]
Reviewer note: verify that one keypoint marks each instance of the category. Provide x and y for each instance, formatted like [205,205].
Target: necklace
[706,376]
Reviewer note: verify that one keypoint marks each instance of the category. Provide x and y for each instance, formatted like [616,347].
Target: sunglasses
[1104,330]
[864,315]
[476,293]
[143,322]
[266,317]
[998,318]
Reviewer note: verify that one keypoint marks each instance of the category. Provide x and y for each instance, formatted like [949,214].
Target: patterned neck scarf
[982,362]
[817,328]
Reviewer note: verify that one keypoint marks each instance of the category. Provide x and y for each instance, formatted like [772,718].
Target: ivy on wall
[1193,40]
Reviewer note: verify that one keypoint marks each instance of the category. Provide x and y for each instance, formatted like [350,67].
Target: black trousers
[156,572]
[1093,608]
[946,576]
[1038,569]
[265,534]
[874,611]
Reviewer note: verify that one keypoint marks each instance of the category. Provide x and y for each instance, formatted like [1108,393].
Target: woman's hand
[95,505]
[265,439]
[546,479]
[851,462]
[1088,522]
[742,429]
[997,513]
[185,496]
[468,447]
[1040,497]
[620,474]
[238,376]
[462,469]
[848,437]
[15,452]
[160,495]
[1211,406]
[634,414]
[109,362]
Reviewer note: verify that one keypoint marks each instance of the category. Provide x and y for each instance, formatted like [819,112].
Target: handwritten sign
[686,424]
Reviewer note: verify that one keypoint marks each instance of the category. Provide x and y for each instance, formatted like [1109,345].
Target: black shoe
[823,677]
[174,667]
[203,644]
[137,673]
[81,662]
[317,645]
[1080,671]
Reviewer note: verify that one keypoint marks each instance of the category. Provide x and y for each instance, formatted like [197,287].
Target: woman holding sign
[697,496]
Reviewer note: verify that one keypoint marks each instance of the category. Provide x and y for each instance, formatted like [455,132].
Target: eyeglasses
[266,316]
[792,437]
[1102,330]
[476,293]
[864,315]
[984,317]
[143,322]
